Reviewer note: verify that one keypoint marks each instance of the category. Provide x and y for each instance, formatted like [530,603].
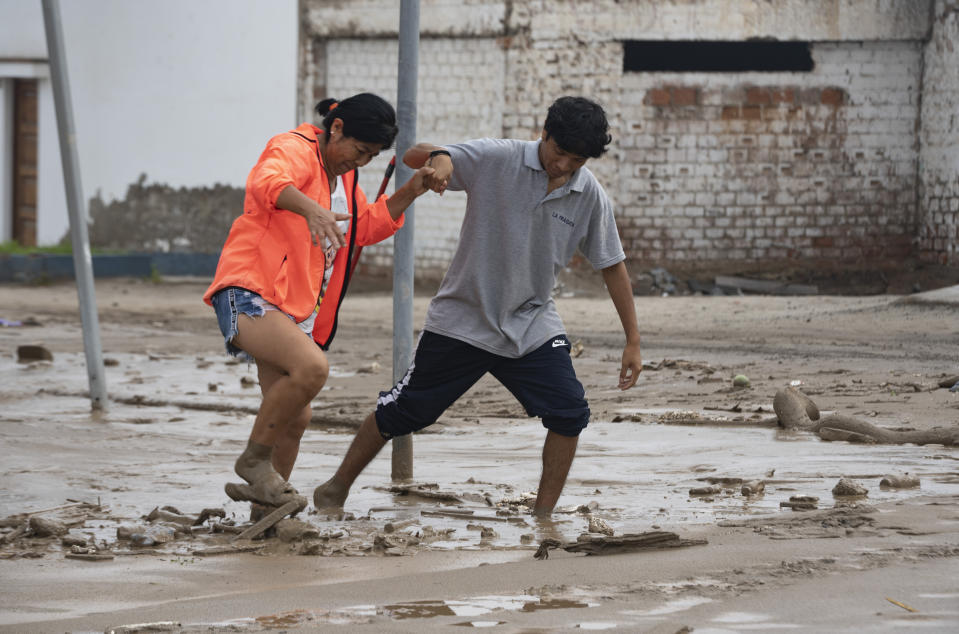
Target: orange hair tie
[333,107]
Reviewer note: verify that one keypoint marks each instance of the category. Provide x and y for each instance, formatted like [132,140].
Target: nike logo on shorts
[560,342]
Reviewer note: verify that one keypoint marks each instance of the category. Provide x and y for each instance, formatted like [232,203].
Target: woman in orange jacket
[285,268]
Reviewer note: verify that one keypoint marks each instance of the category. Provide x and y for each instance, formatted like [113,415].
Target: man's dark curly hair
[578,126]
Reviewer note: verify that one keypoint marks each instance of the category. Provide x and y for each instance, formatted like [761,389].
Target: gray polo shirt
[515,239]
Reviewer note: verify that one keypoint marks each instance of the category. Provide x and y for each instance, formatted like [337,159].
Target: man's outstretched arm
[419,155]
[621,292]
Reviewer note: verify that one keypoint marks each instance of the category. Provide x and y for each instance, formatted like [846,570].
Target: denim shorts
[443,369]
[233,301]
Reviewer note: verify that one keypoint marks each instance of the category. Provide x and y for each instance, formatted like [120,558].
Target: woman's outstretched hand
[322,224]
[422,180]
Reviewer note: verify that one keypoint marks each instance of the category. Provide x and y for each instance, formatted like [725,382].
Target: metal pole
[403,241]
[82,262]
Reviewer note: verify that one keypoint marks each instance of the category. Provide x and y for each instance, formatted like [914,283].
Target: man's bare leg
[558,452]
[366,444]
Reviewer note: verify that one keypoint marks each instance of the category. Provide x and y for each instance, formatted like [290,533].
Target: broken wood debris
[606,545]
[227,550]
[428,491]
[291,507]
[469,515]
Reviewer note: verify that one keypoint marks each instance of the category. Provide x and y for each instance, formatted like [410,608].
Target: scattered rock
[125,532]
[206,514]
[801,503]
[900,481]
[170,514]
[949,381]
[753,487]
[43,527]
[527,538]
[73,540]
[372,368]
[741,381]
[710,490]
[246,381]
[33,352]
[294,530]
[110,362]
[89,554]
[596,525]
[847,488]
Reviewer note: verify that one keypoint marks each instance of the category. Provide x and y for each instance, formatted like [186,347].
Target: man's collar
[532,156]
[577,181]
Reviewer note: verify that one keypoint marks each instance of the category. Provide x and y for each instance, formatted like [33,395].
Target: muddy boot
[259,511]
[265,485]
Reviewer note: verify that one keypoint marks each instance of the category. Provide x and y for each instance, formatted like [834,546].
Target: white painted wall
[187,92]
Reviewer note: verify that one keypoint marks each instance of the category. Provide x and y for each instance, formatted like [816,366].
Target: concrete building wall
[768,170]
[185,92]
[939,140]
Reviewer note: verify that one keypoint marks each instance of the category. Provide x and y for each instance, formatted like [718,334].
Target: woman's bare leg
[302,370]
[287,445]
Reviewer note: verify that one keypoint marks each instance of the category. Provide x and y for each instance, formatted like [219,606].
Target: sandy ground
[462,552]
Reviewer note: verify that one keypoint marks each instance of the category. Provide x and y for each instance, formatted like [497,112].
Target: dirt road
[180,412]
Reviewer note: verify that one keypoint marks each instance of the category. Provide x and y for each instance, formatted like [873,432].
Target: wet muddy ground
[671,454]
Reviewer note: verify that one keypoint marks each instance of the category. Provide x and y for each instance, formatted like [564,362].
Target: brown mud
[106,518]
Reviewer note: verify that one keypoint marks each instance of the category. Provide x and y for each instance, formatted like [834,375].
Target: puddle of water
[670,607]
[741,617]
[477,606]
[357,614]
[638,474]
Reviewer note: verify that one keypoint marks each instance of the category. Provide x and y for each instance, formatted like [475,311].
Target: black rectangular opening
[715,57]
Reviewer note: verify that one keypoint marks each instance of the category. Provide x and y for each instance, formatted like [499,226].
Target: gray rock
[43,527]
[33,352]
[847,488]
[294,530]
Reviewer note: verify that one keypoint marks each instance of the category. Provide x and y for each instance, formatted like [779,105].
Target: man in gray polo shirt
[530,206]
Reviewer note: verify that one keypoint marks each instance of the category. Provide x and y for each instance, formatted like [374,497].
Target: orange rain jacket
[269,251]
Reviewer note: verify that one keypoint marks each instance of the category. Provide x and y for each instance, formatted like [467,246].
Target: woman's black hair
[366,117]
[578,126]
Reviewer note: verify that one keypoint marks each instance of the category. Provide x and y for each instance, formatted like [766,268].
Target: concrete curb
[36,268]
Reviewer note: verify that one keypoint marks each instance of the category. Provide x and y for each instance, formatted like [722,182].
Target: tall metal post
[403,259]
[82,262]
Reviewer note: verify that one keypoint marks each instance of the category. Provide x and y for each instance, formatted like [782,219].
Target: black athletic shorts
[444,368]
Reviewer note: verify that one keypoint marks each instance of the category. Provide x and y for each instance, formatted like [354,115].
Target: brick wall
[727,171]
[773,169]
[939,137]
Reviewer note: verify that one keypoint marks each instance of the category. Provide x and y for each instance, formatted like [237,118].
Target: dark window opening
[716,57]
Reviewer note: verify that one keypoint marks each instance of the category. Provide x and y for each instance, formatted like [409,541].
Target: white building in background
[185,91]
